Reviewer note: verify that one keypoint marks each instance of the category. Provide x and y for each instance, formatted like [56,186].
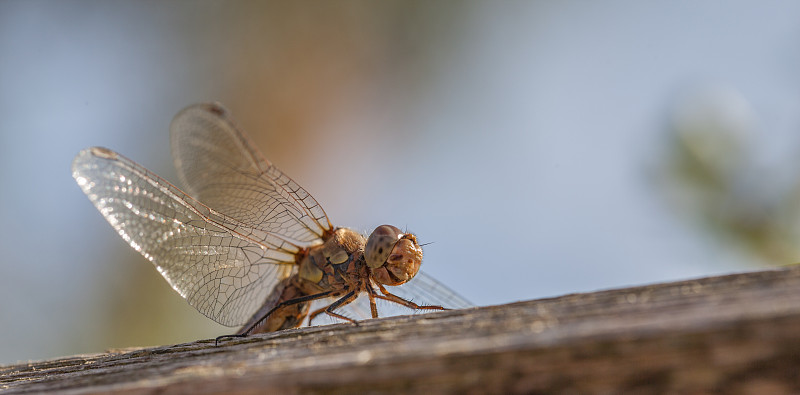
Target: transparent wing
[426,290]
[223,267]
[219,166]
[422,290]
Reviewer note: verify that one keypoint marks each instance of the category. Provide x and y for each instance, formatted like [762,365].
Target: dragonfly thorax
[338,263]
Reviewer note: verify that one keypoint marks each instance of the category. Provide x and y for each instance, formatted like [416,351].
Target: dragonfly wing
[426,290]
[423,290]
[219,166]
[223,267]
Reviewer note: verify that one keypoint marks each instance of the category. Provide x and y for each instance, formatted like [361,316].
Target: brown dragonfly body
[338,268]
[245,244]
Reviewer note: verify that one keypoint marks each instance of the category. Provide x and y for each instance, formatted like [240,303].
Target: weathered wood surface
[736,334]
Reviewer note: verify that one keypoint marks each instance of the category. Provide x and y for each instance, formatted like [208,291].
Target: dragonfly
[245,244]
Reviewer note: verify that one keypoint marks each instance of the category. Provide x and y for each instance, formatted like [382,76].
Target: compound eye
[380,244]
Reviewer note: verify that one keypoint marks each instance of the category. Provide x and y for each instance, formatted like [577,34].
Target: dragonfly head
[393,256]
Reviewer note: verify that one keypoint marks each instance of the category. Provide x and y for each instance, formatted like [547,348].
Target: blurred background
[544,148]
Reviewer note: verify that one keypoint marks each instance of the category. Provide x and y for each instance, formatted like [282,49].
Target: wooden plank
[736,334]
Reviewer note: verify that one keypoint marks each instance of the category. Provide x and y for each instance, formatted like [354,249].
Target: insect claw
[218,338]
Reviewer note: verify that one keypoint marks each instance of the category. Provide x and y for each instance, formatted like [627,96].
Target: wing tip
[214,108]
[102,152]
[86,155]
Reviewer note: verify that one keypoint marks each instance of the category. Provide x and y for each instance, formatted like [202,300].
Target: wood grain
[735,334]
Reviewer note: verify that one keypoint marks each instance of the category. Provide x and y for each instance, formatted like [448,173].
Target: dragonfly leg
[373,308]
[349,297]
[407,303]
[245,333]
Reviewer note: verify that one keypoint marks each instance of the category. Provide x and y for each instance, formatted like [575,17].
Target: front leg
[407,303]
[371,293]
